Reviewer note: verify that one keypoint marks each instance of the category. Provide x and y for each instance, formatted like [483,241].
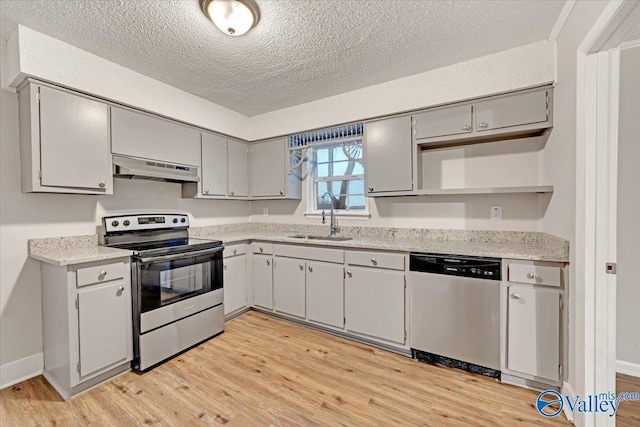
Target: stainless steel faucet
[334,221]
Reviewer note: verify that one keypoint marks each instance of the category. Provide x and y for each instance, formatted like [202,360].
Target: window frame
[312,196]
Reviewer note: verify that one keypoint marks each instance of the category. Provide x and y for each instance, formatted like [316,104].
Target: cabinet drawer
[99,273]
[535,274]
[377,260]
[233,250]
[262,248]
[309,253]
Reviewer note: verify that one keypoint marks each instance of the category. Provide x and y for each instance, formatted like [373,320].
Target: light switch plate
[496,213]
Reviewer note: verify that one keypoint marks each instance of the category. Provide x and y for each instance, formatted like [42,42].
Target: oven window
[166,282]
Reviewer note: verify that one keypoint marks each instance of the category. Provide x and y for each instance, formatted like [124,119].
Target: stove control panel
[114,224]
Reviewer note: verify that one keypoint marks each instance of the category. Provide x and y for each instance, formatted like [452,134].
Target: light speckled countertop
[498,244]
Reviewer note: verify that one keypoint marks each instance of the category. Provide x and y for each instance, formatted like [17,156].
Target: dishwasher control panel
[456,265]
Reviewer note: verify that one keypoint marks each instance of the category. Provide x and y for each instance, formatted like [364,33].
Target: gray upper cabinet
[268,168]
[444,121]
[238,164]
[512,110]
[387,155]
[214,165]
[64,142]
[141,135]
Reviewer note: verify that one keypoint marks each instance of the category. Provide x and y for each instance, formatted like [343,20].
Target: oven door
[169,279]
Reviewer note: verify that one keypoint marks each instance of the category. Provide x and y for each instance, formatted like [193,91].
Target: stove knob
[115,223]
[126,223]
[175,220]
[183,220]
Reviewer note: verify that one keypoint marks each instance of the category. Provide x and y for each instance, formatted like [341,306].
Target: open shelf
[462,191]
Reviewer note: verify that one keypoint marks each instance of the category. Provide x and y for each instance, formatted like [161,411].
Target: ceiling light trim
[251,5]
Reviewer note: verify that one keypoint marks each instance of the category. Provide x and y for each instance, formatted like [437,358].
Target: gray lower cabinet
[532,323]
[375,303]
[388,155]
[325,293]
[289,286]
[263,281]
[238,168]
[87,323]
[235,278]
[64,142]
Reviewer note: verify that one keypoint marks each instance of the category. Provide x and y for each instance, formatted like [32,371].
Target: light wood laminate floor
[265,371]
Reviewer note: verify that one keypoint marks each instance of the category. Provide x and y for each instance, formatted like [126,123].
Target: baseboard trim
[567,390]
[628,368]
[21,370]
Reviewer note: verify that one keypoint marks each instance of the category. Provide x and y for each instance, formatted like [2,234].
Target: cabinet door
[268,168]
[141,135]
[374,303]
[214,165]
[289,286]
[533,328]
[235,283]
[74,141]
[238,168]
[444,122]
[102,320]
[263,281]
[512,110]
[325,293]
[387,155]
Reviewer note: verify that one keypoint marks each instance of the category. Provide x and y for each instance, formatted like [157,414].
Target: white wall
[627,284]
[34,54]
[560,165]
[517,68]
[24,216]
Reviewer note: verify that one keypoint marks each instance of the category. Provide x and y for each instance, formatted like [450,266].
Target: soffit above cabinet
[299,52]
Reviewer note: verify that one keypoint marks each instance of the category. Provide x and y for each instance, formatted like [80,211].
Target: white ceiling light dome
[232,17]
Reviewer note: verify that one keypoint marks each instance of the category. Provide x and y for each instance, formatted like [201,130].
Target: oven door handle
[182,255]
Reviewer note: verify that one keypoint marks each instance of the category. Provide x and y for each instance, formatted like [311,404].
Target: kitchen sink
[327,238]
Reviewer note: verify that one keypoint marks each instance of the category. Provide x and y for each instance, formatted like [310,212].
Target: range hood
[134,168]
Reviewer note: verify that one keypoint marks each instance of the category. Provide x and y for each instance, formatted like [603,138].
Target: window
[338,169]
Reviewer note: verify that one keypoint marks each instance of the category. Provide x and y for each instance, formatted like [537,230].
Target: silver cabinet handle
[349,273]
[310,269]
[301,267]
[102,274]
[483,125]
[120,291]
[281,193]
[532,275]
[515,296]
[206,191]
[370,189]
[466,128]
[102,184]
[235,251]
[224,266]
[373,261]
[261,249]
[232,193]
[268,262]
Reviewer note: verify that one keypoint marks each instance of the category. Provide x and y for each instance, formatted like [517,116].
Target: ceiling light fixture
[232,17]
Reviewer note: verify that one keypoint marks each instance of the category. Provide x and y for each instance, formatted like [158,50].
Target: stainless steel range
[176,281]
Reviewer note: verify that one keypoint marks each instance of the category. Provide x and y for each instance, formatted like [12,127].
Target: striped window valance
[325,135]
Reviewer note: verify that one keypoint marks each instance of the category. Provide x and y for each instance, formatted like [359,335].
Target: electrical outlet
[496,213]
[265,211]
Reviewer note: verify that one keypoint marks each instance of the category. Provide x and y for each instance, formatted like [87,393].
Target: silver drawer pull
[102,274]
[310,269]
[206,191]
[120,291]
[235,251]
[261,249]
[224,266]
[102,184]
[483,125]
[466,128]
[532,275]
[349,273]
[301,267]
[268,262]
[373,261]
[515,296]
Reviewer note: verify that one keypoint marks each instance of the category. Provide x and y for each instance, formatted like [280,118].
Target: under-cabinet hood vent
[133,168]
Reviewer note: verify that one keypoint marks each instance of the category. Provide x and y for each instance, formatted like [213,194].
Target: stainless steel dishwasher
[455,311]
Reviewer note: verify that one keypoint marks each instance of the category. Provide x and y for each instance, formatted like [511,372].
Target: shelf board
[463,191]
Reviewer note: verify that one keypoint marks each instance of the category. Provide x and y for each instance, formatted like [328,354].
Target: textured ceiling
[301,50]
